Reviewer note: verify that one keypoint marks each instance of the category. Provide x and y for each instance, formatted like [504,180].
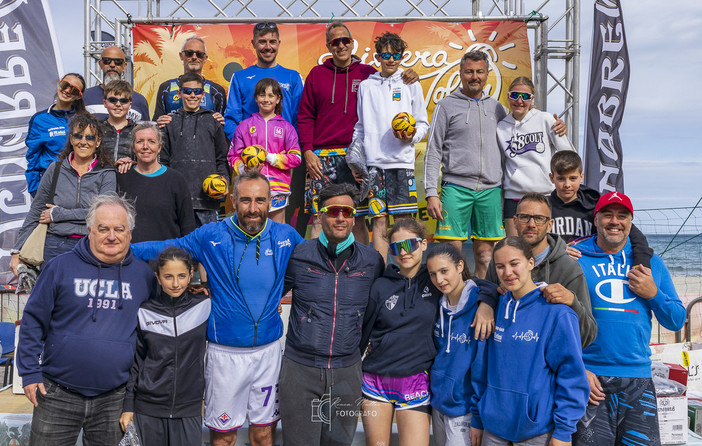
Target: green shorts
[465,210]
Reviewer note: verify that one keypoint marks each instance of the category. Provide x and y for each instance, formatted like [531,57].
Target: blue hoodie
[239,318]
[623,318]
[47,134]
[86,341]
[535,380]
[458,356]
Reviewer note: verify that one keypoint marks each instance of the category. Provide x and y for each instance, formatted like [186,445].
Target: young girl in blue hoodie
[398,323]
[459,355]
[532,388]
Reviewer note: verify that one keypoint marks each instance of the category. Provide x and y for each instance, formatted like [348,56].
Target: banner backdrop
[434,52]
[29,73]
[609,82]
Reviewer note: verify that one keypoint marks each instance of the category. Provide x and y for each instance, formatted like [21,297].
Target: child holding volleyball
[194,144]
[267,142]
[389,153]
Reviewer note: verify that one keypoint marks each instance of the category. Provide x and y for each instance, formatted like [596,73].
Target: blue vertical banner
[29,71]
[609,82]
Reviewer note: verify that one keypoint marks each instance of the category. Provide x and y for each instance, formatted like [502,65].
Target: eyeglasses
[114,100]
[387,56]
[199,54]
[73,90]
[517,95]
[195,91]
[540,220]
[340,41]
[111,60]
[336,209]
[79,136]
[265,25]
[409,245]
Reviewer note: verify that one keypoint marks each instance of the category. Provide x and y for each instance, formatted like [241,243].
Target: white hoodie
[379,100]
[527,147]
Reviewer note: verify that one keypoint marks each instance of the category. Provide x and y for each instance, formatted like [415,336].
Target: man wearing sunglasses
[462,146]
[330,278]
[552,264]
[326,119]
[241,102]
[113,62]
[193,54]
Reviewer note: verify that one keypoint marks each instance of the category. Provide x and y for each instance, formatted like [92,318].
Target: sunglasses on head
[387,56]
[409,245]
[199,54]
[109,60]
[336,209]
[114,100]
[517,95]
[340,41]
[74,91]
[79,136]
[266,25]
[188,90]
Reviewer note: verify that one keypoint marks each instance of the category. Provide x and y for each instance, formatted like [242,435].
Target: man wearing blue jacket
[245,257]
[330,278]
[78,334]
[241,102]
[622,405]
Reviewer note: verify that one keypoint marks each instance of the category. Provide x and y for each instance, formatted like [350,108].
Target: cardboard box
[672,419]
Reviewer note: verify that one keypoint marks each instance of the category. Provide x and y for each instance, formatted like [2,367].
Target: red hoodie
[327,110]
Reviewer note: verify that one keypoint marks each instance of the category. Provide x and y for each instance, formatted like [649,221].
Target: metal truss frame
[554,26]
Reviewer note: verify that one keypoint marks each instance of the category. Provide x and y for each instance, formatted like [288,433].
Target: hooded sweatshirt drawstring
[97,293]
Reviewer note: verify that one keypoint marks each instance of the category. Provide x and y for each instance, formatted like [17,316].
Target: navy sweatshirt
[398,323]
[81,321]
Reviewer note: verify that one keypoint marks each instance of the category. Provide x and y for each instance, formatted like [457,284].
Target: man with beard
[193,54]
[240,100]
[245,257]
[330,278]
[622,406]
[565,279]
[113,63]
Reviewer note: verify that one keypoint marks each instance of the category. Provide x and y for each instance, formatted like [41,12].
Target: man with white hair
[193,54]
[113,62]
[78,331]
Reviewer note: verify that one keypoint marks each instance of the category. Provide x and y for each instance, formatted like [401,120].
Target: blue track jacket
[232,321]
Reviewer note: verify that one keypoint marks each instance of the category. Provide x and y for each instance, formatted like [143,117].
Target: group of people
[546,343]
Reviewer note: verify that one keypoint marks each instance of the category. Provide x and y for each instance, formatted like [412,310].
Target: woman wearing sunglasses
[48,129]
[527,141]
[398,323]
[85,171]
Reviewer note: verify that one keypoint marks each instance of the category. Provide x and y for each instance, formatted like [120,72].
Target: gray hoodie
[558,267]
[463,139]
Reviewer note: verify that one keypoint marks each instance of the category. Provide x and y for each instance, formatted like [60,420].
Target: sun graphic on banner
[494,56]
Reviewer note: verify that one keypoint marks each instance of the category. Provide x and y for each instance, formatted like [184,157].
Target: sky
[658,132]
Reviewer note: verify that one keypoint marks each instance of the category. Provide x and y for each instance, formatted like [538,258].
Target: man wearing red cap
[622,406]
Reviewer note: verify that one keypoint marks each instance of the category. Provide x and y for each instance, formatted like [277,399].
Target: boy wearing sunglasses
[195,145]
[193,54]
[117,127]
[113,63]
[389,153]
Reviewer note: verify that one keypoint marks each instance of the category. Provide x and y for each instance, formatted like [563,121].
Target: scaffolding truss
[554,27]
